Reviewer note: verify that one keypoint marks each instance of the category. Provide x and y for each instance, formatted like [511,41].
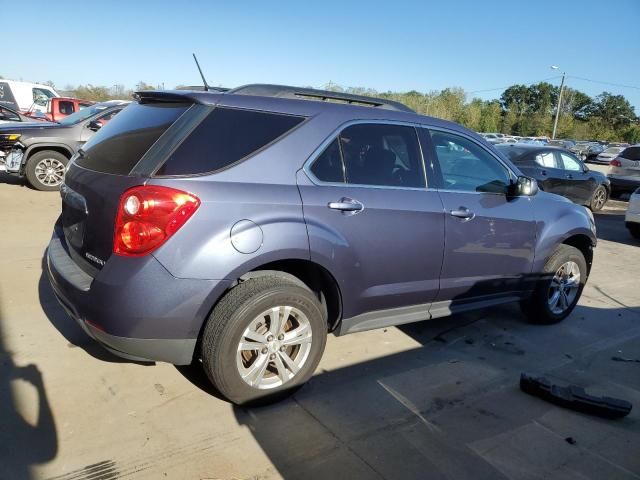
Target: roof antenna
[206,86]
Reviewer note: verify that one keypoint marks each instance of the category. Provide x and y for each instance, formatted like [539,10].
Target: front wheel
[598,199]
[559,288]
[634,230]
[45,170]
[264,339]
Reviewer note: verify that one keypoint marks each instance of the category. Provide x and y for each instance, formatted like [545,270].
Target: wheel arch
[583,243]
[41,147]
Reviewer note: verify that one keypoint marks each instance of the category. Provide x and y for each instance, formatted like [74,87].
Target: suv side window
[227,136]
[382,155]
[547,159]
[465,166]
[328,166]
[570,163]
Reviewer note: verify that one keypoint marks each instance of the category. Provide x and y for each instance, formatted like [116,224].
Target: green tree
[615,111]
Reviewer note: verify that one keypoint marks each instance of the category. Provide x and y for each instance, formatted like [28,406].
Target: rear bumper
[133,306]
[624,183]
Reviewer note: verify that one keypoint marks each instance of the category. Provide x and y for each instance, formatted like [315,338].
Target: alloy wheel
[50,172]
[274,347]
[564,287]
[599,198]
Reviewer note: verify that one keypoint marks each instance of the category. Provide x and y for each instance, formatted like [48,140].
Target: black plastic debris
[574,397]
[570,440]
[623,359]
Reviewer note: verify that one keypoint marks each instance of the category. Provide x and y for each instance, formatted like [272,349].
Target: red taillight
[615,163]
[148,216]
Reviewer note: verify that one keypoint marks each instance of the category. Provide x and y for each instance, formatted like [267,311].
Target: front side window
[465,166]
[8,115]
[570,163]
[225,137]
[547,160]
[41,95]
[382,155]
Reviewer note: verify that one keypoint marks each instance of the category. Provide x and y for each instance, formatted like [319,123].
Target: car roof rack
[284,91]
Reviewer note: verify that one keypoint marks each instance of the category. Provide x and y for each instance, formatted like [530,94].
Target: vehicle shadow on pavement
[452,408]
[27,438]
[11,180]
[611,227]
[69,329]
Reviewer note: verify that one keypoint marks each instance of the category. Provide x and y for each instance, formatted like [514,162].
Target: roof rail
[284,91]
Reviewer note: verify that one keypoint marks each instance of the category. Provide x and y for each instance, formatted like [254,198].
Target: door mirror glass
[526,186]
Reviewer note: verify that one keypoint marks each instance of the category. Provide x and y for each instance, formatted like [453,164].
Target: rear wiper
[81,153]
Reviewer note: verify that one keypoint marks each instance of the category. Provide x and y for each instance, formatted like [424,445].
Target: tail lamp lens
[148,216]
[615,163]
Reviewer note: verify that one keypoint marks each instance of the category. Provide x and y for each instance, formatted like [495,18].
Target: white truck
[25,96]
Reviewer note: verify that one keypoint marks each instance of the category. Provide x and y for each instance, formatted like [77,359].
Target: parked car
[566,144]
[561,172]
[9,115]
[607,155]
[632,216]
[25,95]
[591,152]
[60,107]
[624,173]
[40,151]
[237,229]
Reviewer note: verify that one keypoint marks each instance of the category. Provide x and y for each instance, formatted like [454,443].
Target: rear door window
[118,146]
[547,159]
[226,137]
[328,166]
[382,154]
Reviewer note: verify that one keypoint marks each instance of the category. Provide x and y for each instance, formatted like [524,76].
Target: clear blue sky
[391,45]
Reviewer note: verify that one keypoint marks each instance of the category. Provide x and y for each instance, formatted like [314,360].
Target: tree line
[525,110]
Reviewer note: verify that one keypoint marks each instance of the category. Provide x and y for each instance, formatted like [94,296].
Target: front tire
[263,340]
[45,170]
[634,230]
[598,199]
[558,291]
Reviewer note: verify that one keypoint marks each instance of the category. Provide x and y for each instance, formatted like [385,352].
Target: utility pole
[555,123]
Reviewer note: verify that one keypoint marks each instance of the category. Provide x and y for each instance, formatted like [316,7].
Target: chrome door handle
[346,205]
[463,213]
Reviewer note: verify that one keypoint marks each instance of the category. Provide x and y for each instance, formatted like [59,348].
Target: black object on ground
[622,359]
[574,397]
[570,440]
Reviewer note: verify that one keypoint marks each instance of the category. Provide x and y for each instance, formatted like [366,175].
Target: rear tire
[598,199]
[252,352]
[558,291]
[45,170]
[634,230]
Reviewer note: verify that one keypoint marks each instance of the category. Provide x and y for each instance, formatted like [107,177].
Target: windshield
[83,114]
[614,150]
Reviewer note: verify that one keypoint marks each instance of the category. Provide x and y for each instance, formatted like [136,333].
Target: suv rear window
[118,146]
[225,137]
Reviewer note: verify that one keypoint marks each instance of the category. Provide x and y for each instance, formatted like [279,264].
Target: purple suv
[238,229]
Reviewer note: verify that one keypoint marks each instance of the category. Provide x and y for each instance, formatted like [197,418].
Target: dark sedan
[560,171]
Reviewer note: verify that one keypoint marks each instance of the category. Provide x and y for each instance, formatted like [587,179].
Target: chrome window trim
[334,135]
[336,132]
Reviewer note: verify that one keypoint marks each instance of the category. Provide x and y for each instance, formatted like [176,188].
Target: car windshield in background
[513,152]
[84,113]
[613,150]
[118,146]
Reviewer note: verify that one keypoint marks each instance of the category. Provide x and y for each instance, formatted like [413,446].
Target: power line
[504,88]
[604,83]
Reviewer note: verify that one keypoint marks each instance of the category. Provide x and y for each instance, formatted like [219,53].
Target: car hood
[22,126]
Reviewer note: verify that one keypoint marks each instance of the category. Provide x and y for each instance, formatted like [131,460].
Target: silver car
[624,173]
[608,155]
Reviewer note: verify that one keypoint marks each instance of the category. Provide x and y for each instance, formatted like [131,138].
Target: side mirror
[526,186]
[94,125]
